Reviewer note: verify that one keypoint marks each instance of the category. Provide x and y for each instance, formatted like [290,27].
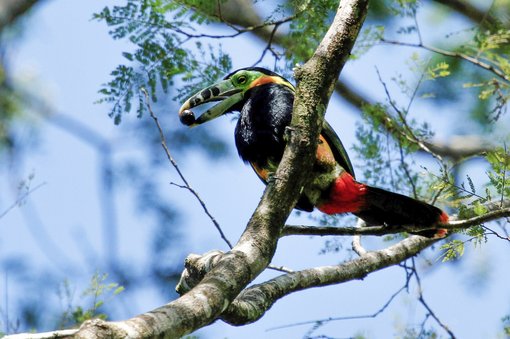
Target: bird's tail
[380,207]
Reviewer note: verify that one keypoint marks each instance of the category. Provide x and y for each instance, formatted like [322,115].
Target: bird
[265,100]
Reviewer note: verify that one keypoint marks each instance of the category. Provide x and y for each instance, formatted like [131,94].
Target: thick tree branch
[206,301]
[460,147]
[253,302]
[242,13]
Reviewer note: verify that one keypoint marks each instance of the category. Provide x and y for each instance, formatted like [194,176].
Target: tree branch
[206,301]
[242,13]
[253,302]
[474,61]
[179,172]
[44,335]
[349,317]
[496,210]
[460,147]
[466,9]
[21,198]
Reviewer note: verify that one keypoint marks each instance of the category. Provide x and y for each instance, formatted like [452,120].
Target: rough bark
[253,302]
[235,269]
[214,282]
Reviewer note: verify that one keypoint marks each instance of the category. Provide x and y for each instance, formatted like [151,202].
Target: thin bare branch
[179,172]
[477,62]
[351,317]
[407,131]
[227,18]
[269,47]
[356,240]
[20,199]
[421,299]
[491,231]
[44,335]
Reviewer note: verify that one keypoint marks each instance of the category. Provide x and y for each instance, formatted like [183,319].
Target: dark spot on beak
[187,117]
[215,91]
[195,102]
[206,94]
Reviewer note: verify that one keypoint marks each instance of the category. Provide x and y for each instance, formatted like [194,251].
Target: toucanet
[265,100]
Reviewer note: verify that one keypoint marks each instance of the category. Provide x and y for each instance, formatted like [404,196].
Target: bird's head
[230,92]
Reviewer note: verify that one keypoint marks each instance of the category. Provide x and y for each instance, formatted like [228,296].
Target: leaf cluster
[156,29]
[385,146]
[312,23]
[98,292]
[492,49]
[10,111]
[471,204]
[506,325]
[499,178]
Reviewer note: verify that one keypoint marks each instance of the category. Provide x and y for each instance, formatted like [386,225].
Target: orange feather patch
[262,173]
[269,79]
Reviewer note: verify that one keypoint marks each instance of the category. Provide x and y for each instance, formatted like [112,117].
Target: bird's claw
[271,178]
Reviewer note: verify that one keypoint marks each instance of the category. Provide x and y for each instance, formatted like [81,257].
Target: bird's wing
[337,147]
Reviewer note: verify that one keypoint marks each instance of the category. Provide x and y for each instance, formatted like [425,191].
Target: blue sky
[64,57]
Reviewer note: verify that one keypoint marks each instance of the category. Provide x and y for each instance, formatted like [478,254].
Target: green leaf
[453,250]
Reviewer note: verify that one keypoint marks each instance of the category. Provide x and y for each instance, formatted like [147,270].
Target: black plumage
[259,133]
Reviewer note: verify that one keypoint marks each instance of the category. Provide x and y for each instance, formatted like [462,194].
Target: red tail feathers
[380,207]
[346,196]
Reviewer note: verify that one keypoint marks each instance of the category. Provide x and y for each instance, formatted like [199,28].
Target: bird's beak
[223,91]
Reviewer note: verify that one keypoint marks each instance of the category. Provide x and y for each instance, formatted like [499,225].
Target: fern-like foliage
[312,23]
[491,50]
[157,29]
[97,293]
[385,146]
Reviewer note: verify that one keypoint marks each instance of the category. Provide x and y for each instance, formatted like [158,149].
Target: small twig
[422,326]
[322,321]
[356,240]
[409,274]
[174,164]
[504,230]
[491,231]
[417,26]
[280,268]
[269,46]
[470,59]
[239,31]
[333,230]
[421,299]
[503,181]
[408,133]
[45,335]
[407,173]
[357,247]
[20,199]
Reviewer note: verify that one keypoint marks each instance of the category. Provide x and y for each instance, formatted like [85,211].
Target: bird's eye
[241,80]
